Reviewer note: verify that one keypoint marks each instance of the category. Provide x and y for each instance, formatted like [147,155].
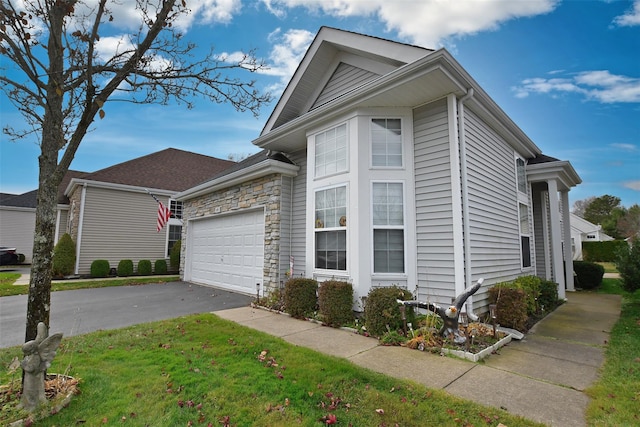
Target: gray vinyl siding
[298,214]
[63,223]
[542,229]
[17,226]
[345,78]
[493,205]
[119,225]
[434,206]
[286,194]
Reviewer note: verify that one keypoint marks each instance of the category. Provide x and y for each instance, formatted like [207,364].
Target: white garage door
[227,251]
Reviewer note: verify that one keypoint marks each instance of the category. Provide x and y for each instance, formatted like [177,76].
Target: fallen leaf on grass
[380,411]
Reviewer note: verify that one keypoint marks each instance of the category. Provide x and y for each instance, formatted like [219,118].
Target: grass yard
[7,288]
[616,395]
[202,370]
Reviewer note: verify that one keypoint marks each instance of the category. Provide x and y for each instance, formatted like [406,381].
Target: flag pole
[156,199]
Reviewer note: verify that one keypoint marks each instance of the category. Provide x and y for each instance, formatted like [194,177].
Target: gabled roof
[25,200]
[170,169]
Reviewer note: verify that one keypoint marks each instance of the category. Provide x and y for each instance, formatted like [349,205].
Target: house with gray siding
[383,164]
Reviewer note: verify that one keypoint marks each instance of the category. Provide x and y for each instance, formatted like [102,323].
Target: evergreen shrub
[300,297]
[602,251]
[588,274]
[174,255]
[100,268]
[511,305]
[160,266]
[531,287]
[144,267]
[21,258]
[125,268]
[548,299]
[335,303]
[382,311]
[628,265]
[64,256]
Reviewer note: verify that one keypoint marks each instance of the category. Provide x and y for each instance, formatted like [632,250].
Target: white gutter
[243,175]
[465,201]
[80,221]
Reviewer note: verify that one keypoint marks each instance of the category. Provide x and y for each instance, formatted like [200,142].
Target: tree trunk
[50,176]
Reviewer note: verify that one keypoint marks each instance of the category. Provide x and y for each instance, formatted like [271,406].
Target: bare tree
[579,206]
[59,79]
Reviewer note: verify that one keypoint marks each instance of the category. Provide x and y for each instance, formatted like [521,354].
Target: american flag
[164,213]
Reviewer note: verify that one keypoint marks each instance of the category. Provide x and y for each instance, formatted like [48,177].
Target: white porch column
[556,238]
[568,255]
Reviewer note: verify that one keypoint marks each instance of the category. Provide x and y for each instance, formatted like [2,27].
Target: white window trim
[401,275]
[324,271]
[402,142]
[347,148]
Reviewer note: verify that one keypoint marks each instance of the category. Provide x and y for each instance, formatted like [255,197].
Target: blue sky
[567,72]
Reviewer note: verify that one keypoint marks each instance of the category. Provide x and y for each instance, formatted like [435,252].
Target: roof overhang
[427,79]
[79,182]
[560,171]
[255,171]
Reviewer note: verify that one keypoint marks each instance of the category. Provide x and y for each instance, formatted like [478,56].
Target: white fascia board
[562,171]
[17,208]
[258,170]
[110,185]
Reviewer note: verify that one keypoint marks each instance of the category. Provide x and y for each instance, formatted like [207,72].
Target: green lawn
[202,370]
[616,395]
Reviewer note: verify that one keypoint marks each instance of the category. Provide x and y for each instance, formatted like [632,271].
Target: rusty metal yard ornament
[451,314]
[38,355]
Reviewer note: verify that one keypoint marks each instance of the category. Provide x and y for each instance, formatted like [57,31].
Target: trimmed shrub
[382,311]
[125,268]
[602,251]
[588,274]
[531,287]
[174,255]
[511,305]
[335,302]
[100,268]
[628,265]
[144,267]
[64,256]
[300,297]
[21,258]
[160,266]
[548,299]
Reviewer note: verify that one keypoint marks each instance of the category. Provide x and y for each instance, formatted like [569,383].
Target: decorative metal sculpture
[450,315]
[38,355]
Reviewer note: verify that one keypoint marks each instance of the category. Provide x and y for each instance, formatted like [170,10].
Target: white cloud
[426,22]
[625,147]
[631,17]
[632,185]
[599,85]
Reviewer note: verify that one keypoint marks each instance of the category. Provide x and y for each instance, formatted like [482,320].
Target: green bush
[511,305]
[174,255]
[628,265]
[548,299]
[64,256]
[144,267]
[125,268]
[382,311]
[602,251]
[335,302]
[21,258]
[531,287]
[100,268]
[588,274]
[300,297]
[160,266]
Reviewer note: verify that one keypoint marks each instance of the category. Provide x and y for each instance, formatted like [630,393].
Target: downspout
[80,221]
[465,202]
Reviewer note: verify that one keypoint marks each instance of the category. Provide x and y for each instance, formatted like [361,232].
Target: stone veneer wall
[72,228]
[261,192]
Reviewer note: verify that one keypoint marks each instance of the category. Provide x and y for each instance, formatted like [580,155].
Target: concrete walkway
[542,377]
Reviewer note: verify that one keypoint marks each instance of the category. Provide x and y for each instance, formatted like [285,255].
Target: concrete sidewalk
[542,377]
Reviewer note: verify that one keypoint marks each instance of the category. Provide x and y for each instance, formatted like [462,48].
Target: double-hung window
[388,227]
[525,235]
[175,224]
[521,176]
[331,151]
[386,143]
[331,228]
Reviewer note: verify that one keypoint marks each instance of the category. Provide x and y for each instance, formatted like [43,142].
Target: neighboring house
[112,216]
[584,231]
[109,213]
[383,164]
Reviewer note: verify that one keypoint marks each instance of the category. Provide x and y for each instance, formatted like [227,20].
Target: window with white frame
[175,234]
[331,228]
[388,227]
[521,176]
[331,151]
[386,142]
[525,235]
[176,209]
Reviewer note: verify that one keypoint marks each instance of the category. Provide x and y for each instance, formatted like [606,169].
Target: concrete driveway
[87,310]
